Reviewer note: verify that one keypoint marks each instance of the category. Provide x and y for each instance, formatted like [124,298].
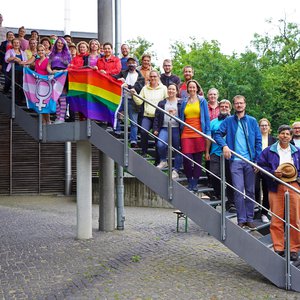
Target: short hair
[167,60]
[108,44]
[238,97]
[297,122]
[45,39]
[188,66]
[265,120]
[40,46]
[176,86]
[67,35]
[155,71]
[146,55]
[82,42]
[8,32]
[199,89]
[125,45]
[283,128]
[225,101]
[32,31]
[213,89]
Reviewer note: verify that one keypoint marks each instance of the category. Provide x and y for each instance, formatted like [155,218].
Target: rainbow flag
[43,91]
[97,96]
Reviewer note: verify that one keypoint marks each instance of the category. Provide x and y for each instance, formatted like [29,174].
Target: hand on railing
[226,152]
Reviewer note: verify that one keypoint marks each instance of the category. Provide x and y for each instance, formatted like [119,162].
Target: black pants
[215,168]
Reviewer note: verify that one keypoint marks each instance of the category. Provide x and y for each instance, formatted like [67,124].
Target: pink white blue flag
[43,91]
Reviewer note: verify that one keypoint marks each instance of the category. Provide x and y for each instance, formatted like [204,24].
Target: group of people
[237,136]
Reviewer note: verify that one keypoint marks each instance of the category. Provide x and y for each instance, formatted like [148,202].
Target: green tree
[140,46]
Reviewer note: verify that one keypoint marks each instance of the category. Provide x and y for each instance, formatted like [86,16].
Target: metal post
[68,168]
[287,240]
[170,181]
[13,91]
[120,198]
[11,156]
[88,127]
[107,194]
[40,127]
[117,27]
[125,128]
[223,192]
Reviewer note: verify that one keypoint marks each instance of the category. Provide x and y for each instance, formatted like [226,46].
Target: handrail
[212,140]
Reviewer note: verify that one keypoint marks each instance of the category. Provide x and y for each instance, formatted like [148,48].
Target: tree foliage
[140,46]
[267,74]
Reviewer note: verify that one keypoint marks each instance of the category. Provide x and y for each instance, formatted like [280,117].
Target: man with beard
[243,137]
[168,78]
[188,73]
[296,134]
[133,80]
[213,155]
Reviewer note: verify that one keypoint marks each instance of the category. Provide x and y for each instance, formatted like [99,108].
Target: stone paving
[41,259]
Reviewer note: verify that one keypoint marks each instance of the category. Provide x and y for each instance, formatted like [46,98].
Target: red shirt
[213,112]
[78,61]
[112,65]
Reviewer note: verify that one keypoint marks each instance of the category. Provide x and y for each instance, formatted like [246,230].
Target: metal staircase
[255,247]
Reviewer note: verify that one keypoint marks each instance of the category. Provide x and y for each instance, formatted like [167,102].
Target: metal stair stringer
[240,241]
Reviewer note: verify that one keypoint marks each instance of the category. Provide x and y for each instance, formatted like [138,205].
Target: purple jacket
[269,160]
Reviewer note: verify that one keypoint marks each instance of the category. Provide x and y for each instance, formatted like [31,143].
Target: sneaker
[175,175]
[294,256]
[162,165]
[265,219]
[57,121]
[251,225]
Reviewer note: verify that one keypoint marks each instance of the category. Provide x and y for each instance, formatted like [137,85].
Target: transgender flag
[97,96]
[43,91]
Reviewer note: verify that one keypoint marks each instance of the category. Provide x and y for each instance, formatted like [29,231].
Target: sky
[231,22]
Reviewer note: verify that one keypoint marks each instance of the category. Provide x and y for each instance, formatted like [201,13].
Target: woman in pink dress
[40,62]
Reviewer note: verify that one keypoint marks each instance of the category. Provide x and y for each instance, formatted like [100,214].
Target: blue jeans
[133,116]
[163,148]
[243,179]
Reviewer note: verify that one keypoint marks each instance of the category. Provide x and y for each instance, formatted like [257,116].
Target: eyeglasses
[297,128]
[263,125]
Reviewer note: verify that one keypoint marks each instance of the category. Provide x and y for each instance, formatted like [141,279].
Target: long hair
[65,53]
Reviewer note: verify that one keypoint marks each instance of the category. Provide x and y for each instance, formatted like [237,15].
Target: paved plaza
[41,259]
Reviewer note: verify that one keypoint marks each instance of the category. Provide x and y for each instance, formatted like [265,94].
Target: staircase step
[267,240]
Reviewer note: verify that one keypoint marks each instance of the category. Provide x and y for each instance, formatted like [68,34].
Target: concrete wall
[135,194]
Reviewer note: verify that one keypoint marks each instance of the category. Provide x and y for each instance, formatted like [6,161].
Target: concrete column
[84,190]
[105,21]
[106,165]
[107,193]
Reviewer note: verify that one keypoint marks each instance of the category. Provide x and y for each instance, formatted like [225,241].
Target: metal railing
[222,179]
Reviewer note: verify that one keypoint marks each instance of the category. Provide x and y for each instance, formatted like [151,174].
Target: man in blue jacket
[243,137]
